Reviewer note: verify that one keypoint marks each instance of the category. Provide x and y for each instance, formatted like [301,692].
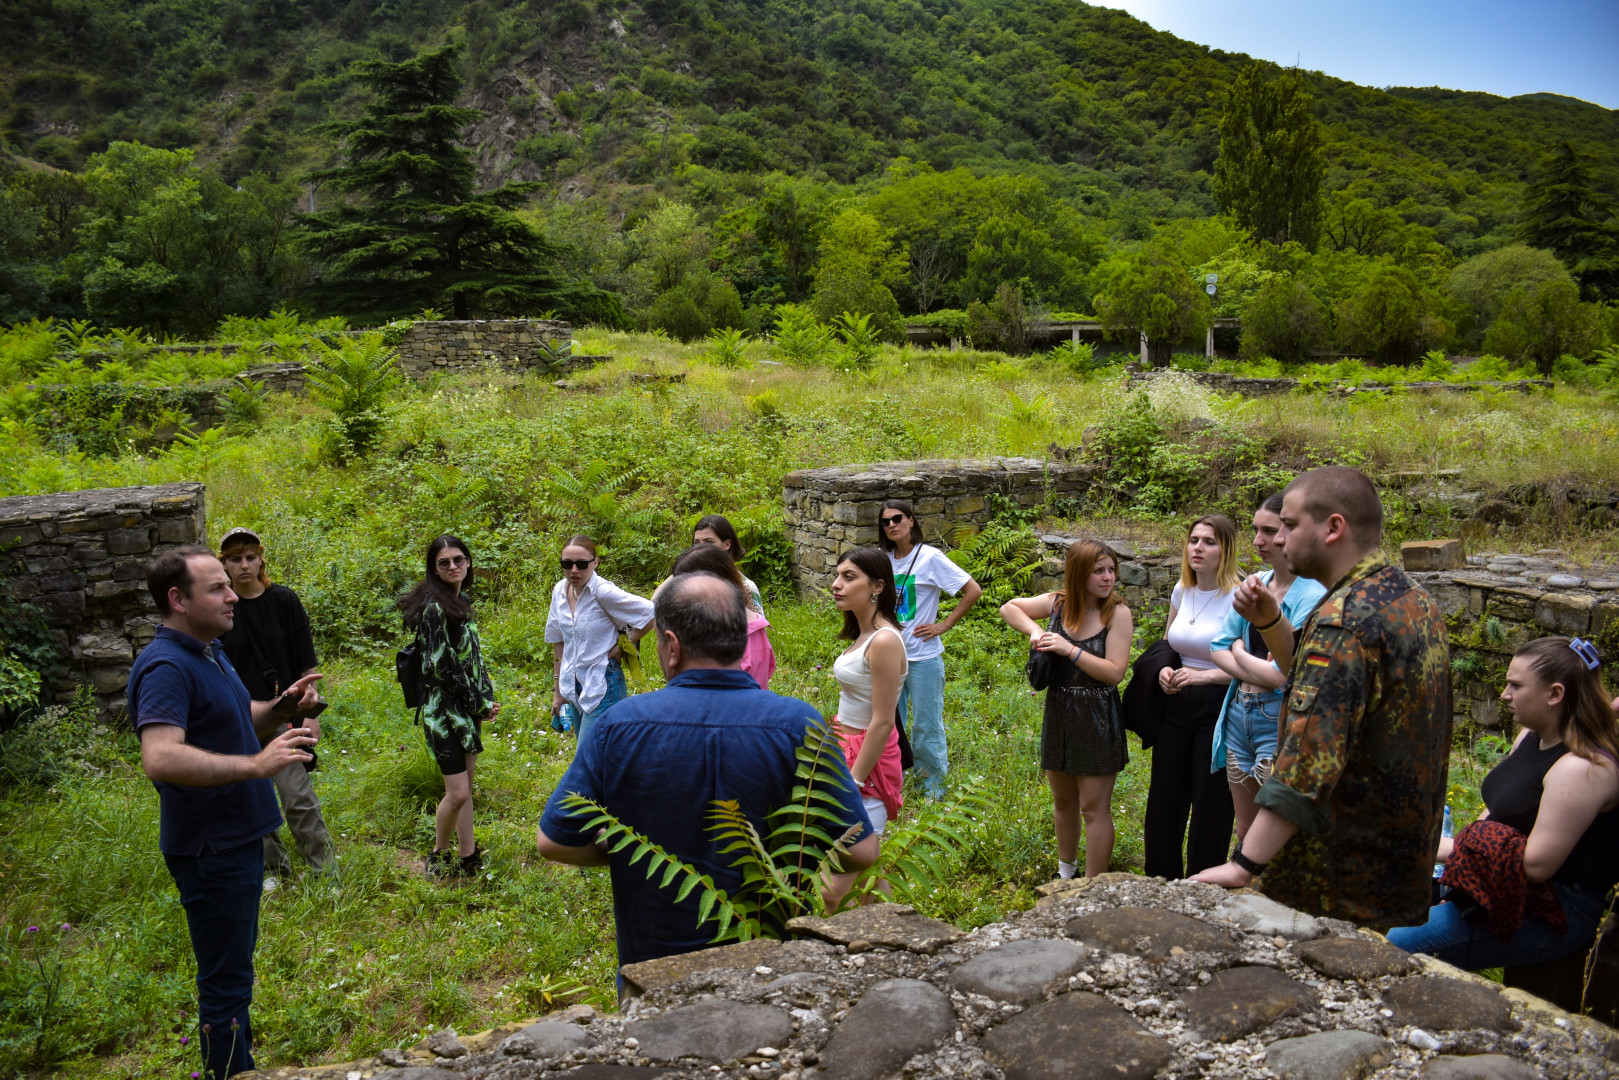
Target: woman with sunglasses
[588,612]
[922,574]
[457,697]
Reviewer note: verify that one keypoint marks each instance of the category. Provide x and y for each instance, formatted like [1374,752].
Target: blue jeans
[924,690]
[617,691]
[1250,733]
[1466,945]
[220,894]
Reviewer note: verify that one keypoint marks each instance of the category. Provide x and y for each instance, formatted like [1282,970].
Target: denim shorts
[1250,734]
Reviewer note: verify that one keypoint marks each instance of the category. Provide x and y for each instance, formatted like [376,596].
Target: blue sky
[1555,46]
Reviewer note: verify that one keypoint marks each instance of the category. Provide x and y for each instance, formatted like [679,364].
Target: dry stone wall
[80,557]
[1116,978]
[832,510]
[441,347]
[1259,387]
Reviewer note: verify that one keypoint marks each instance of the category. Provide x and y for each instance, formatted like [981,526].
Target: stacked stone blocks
[80,557]
[832,510]
[457,345]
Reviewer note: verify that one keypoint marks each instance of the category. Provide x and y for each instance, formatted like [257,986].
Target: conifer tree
[1269,172]
[417,233]
[1565,211]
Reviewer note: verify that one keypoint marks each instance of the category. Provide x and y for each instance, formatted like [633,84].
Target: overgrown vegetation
[515,465]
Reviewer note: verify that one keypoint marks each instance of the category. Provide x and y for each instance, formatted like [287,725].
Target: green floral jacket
[458,691]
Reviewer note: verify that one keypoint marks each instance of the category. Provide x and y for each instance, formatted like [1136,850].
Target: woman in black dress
[1082,744]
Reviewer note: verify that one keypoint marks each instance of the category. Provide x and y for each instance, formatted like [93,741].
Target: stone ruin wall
[1252,387]
[1116,978]
[1493,604]
[430,348]
[834,509]
[80,557]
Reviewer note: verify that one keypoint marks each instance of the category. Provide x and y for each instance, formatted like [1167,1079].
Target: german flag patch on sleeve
[1316,659]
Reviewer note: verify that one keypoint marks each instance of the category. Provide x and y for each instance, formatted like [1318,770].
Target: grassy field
[381,956]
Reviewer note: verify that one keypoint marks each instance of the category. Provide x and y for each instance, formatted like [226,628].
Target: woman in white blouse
[588,612]
[1181,782]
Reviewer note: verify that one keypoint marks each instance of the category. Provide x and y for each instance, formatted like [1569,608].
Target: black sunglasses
[576,564]
[895,520]
[452,563]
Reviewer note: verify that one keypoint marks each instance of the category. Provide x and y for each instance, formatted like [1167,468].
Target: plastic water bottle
[1448,829]
[566,719]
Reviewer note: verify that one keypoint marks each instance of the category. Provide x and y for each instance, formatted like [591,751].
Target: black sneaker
[470,865]
[440,863]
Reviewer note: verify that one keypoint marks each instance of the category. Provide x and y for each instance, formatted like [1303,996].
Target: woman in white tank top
[869,673]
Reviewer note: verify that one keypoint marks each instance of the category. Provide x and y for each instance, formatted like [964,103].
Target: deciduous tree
[1152,292]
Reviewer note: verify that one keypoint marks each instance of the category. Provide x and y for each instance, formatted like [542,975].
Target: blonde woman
[1195,691]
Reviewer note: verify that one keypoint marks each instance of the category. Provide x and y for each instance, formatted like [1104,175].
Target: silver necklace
[1202,609]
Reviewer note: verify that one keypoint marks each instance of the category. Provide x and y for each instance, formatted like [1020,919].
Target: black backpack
[408,670]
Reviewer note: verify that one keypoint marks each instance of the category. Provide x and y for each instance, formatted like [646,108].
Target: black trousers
[1182,784]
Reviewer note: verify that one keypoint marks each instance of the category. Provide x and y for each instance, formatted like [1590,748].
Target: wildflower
[206,1028]
[67,926]
[33,930]
[184,1039]
[233,1024]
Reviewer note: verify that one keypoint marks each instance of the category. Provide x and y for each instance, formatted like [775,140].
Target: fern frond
[713,903]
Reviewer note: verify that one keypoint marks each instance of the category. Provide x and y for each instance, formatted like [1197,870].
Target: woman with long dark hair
[1553,803]
[1082,741]
[759,659]
[717,530]
[1181,784]
[869,673]
[587,614]
[922,575]
[457,698]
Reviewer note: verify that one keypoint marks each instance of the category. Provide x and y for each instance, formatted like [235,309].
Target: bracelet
[1254,868]
[1268,627]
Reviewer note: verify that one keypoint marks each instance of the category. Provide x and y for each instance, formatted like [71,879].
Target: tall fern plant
[781,871]
[353,378]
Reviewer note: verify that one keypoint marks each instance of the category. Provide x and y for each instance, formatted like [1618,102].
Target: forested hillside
[1081,129]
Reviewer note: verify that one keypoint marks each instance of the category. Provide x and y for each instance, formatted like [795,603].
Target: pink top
[759,659]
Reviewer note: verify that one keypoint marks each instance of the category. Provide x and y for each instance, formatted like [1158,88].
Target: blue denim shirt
[1302,597]
[657,762]
[177,680]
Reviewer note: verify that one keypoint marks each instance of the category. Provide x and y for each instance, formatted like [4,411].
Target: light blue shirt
[1302,597]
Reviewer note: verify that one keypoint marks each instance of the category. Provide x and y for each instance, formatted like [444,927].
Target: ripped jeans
[1251,736]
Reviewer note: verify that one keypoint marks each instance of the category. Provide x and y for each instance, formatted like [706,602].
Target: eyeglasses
[453,562]
[895,520]
[577,564]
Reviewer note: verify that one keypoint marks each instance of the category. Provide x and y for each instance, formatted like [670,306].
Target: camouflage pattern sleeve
[1329,695]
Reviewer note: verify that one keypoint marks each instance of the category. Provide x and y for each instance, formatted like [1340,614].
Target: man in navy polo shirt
[658,761]
[199,735]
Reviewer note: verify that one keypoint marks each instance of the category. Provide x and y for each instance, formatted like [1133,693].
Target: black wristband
[1268,627]
[1254,868]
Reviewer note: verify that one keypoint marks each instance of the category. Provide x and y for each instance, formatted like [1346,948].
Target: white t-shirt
[1199,619]
[920,577]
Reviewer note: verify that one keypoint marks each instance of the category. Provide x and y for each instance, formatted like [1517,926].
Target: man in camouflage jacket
[1350,818]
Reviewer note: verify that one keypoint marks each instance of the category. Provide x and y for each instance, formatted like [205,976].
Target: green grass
[386,956]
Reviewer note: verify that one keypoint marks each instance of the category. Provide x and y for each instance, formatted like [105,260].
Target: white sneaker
[271,884]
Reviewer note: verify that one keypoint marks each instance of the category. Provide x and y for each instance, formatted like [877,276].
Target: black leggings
[1182,782]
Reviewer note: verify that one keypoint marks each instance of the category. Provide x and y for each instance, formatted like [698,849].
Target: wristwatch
[1254,868]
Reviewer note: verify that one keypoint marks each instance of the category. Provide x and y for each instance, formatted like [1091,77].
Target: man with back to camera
[271,648]
[1350,817]
[199,733]
[658,761]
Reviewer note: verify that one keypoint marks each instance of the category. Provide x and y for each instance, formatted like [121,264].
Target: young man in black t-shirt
[271,648]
